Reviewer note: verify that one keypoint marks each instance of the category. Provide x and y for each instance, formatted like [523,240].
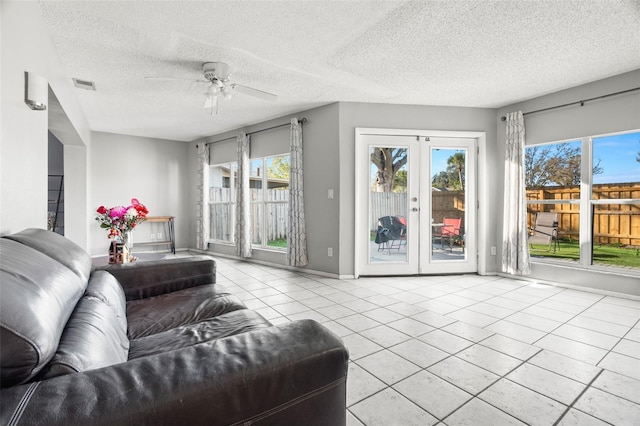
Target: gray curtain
[243,199]
[296,234]
[202,213]
[515,248]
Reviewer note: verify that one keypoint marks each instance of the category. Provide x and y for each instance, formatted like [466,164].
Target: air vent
[84,84]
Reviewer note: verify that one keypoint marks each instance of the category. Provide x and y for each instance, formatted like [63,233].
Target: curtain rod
[503,118]
[301,121]
[221,140]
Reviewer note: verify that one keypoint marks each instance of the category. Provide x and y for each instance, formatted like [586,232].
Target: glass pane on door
[448,199]
[388,199]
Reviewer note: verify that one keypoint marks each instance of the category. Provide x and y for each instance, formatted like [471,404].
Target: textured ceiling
[310,53]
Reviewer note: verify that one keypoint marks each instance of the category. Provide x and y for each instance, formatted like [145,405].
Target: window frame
[587,205]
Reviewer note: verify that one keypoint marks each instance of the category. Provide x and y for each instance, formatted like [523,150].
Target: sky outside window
[618,156]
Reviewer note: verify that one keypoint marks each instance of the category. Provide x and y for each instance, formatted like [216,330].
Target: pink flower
[134,202]
[118,212]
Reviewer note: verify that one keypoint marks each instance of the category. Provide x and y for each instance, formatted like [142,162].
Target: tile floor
[464,349]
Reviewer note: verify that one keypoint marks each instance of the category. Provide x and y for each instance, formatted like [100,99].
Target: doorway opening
[416,206]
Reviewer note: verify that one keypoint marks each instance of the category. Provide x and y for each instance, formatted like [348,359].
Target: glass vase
[119,250]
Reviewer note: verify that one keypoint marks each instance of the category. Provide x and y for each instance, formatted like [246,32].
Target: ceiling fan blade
[255,92]
[177,79]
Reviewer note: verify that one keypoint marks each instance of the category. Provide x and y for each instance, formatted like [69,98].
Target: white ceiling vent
[84,84]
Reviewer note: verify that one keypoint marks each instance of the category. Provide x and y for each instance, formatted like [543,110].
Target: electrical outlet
[330,194]
[159,236]
[330,252]
[493,250]
[153,236]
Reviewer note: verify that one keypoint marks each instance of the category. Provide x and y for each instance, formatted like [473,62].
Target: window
[222,198]
[592,185]
[269,190]
[553,177]
[615,200]
[269,183]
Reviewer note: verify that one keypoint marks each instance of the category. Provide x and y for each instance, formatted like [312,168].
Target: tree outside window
[389,162]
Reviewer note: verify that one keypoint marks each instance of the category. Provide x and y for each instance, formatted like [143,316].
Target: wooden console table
[169,232]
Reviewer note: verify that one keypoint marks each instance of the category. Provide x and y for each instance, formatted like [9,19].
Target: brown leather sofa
[151,343]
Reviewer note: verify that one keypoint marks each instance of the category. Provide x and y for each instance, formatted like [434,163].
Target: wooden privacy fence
[277,216]
[612,223]
[220,214]
[277,221]
[386,204]
[444,204]
[447,204]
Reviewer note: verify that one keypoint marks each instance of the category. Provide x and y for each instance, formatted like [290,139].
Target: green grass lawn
[602,254]
[570,250]
[281,243]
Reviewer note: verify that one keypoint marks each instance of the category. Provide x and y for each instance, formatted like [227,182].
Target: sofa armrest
[146,279]
[283,375]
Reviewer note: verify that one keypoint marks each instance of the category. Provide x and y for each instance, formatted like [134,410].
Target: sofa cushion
[188,306]
[141,280]
[105,287]
[37,297]
[57,247]
[225,325]
[93,338]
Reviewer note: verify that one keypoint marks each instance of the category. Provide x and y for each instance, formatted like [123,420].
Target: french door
[416,203]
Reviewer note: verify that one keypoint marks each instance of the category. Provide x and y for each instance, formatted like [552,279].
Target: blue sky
[439,159]
[617,155]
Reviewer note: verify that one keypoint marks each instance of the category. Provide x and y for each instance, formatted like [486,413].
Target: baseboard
[586,289]
[275,265]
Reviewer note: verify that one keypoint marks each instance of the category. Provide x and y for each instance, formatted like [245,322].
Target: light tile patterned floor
[464,349]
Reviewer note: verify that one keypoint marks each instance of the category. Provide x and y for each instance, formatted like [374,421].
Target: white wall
[613,114]
[23,143]
[23,147]
[155,171]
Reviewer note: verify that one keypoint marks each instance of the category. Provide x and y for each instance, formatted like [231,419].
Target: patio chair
[452,232]
[545,231]
[391,230]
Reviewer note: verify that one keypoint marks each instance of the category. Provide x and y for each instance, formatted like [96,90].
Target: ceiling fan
[218,75]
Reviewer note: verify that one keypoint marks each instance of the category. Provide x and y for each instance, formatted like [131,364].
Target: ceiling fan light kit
[218,75]
[227,91]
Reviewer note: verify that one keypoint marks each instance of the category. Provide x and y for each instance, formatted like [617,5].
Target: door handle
[415,209]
